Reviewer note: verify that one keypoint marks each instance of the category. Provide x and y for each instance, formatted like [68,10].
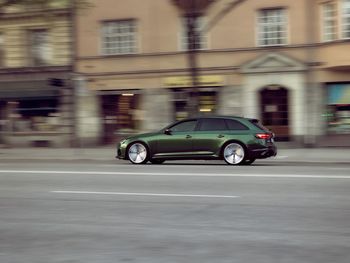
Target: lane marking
[179,174]
[144,194]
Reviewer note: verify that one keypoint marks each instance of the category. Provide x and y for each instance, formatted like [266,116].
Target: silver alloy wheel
[234,153]
[137,153]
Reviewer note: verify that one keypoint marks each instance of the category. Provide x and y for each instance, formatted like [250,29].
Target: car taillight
[265,136]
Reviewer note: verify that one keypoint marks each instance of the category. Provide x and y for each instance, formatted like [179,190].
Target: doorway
[274,105]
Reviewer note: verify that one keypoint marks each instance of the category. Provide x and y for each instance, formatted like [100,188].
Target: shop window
[338,109]
[207,102]
[121,114]
[37,115]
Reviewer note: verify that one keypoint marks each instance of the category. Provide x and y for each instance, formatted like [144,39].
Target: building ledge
[41,69]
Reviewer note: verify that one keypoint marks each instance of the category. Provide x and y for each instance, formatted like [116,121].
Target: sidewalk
[107,154]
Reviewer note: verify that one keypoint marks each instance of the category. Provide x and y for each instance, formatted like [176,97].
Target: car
[236,140]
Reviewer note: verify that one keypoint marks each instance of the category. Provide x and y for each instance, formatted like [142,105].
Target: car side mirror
[167,132]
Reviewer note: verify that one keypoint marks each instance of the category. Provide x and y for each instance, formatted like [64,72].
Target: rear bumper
[263,153]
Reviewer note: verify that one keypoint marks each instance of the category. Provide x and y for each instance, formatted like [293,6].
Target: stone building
[285,62]
[35,68]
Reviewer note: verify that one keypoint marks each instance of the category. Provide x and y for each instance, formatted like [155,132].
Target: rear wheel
[157,161]
[234,153]
[138,153]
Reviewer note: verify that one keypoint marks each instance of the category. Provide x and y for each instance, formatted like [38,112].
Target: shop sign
[186,81]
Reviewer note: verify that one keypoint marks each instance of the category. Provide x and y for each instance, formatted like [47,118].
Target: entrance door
[274,111]
[118,115]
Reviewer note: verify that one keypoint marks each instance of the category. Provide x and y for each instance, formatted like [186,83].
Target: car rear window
[258,124]
[236,125]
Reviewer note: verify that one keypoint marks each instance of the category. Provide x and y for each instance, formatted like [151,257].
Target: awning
[27,89]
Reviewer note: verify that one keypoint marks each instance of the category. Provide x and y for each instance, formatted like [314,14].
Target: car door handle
[188,136]
[221,136]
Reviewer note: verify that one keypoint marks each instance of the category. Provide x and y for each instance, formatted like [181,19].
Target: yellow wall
[15,26]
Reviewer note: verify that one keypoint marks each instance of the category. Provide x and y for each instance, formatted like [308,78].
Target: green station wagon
[236,140]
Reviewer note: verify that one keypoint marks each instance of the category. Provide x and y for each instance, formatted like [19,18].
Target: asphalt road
[177,212]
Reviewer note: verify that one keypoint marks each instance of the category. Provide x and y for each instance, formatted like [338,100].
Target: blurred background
[88,72]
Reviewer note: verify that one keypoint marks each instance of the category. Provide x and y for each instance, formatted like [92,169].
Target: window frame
[325,19]
[183,35]
[133,35]
[343,17]
[32,59]
[259,26]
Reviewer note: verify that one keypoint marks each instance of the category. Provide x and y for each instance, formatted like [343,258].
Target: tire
[248,161]
[234,153]
[157,161]
[138,153]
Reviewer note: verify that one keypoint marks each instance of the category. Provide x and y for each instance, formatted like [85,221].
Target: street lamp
[191,10]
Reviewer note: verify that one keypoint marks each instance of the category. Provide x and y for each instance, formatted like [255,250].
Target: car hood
[142,135]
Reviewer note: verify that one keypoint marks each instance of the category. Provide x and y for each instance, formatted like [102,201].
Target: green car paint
[168,144]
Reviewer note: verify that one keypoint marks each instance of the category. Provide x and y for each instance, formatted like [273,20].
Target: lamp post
[191,10]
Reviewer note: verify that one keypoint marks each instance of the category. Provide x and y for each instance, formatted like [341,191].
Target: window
[346,19]
[272,28]
[201,39]
[35,115]
[119,37]
[236,125]
[329,22]
[184,126]
[213,125]
[40,52]
[2,57]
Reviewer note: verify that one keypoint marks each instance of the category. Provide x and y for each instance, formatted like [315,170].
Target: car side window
[184,126]
[236,125]
[213,125]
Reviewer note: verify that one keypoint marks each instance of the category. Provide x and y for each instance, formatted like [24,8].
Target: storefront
[121,113]
[338,108]
[207,94]
[30,113]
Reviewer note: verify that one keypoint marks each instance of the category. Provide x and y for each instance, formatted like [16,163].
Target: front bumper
[121,149]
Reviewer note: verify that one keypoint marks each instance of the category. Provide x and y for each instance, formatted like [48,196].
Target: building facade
[35,73]
[284,62]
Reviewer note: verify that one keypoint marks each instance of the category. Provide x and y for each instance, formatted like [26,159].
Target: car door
[210,136]
[177,141]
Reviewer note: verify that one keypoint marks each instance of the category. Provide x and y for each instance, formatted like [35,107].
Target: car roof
[220,117]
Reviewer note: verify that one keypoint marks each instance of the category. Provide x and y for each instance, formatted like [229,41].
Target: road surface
[93,212]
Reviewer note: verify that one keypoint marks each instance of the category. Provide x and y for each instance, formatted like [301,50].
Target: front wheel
[234,153]
[138,153]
